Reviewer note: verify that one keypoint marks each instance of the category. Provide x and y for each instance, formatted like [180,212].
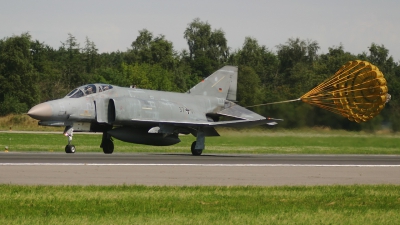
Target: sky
[114,25]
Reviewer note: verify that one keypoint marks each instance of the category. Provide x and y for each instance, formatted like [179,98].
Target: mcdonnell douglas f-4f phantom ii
[149,117]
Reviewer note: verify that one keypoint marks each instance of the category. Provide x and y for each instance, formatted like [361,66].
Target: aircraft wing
[231,123]
[239,117]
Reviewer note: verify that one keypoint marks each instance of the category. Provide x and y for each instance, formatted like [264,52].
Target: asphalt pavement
[185,169]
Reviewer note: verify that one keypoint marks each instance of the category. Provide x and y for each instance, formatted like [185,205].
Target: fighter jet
[150,117]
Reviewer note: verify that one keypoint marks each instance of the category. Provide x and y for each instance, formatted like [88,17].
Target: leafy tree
[90,55]
[111,60]
[250,91]
[208,50]
[264,62]
[141,52]
[18,77]
[46,63]
[146,49]
[115,76]
[12,104]
[393,112]
[296,59]
[149,77]
[296,51]
[379,56]
[329,63]
[73,67]
[183,78]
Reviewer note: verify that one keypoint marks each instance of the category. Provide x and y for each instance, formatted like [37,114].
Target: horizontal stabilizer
[236,111]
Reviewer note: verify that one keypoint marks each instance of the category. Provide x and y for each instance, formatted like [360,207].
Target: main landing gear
[195,151]
[69,133]
[107,143]
[198,145]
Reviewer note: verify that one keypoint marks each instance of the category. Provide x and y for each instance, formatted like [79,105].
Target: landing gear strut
[107,143]
[69,130]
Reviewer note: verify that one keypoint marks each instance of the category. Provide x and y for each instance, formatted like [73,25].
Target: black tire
[70,149]
[108,147]
[195,152]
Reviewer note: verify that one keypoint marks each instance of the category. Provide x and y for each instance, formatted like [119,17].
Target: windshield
[78,94]
[73,91]
[88,90]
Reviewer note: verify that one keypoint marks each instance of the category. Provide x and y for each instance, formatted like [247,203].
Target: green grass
[357,204]
[230,141]
[353,204]
[23,122]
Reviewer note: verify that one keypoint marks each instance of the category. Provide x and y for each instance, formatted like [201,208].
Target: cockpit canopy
[88,89]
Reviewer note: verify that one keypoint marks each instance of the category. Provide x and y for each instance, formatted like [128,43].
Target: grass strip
[355,204]
[242,142]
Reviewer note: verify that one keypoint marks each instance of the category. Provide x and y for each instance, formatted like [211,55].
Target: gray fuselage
[132,104]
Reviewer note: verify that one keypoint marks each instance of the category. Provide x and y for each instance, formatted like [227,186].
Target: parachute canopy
[357,91]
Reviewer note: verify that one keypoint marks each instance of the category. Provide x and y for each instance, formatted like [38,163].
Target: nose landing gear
[69,130]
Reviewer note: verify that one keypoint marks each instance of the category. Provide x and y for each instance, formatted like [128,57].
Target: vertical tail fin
[221,84]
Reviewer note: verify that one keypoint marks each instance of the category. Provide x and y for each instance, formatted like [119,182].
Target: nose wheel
[70,149]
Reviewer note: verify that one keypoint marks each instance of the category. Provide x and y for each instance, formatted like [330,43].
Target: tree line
[32,72]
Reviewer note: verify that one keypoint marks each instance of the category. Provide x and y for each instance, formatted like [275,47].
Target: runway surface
[185,169]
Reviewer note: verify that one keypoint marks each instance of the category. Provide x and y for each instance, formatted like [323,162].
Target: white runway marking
[204,165]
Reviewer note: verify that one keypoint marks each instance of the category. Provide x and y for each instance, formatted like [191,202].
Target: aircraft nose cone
[42,111]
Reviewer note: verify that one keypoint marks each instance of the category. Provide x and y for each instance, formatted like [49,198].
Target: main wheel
[70,149]
[108,147]
[195,151]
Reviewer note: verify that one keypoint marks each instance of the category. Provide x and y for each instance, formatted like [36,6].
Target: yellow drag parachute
[357,91]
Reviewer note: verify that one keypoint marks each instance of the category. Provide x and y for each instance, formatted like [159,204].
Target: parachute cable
[272,103]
